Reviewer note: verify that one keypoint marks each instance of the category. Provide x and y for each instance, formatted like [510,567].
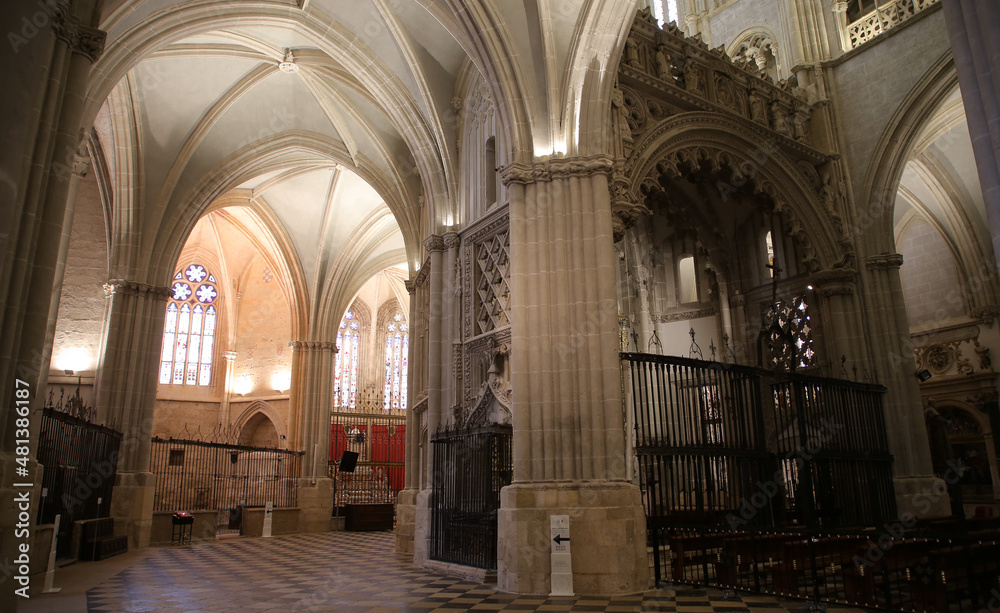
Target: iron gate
[470,467]
[80,461]
[726,445]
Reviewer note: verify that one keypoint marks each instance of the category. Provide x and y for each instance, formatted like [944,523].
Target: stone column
[406,500]
[227,385]
[741,336]
[437,352]
[451,341]
[972,28]
[839,8]
[839,309]
[310,398]
[569,439]
[44,106]
[917,490]
[125,396]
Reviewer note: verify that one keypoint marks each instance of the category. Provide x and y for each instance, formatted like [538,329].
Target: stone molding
[556,168]
[986,314]
[134,288]
[433,243]
[83,39]
[451,240]
[313,346]
[884,261]
[683,316]
[835,282]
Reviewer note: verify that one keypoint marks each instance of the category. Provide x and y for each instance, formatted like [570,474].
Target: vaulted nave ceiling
[295,99]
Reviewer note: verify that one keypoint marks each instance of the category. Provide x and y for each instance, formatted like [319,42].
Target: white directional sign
[562,562]
[268,513]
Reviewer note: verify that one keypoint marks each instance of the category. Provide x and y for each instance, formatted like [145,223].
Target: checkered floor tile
[347,572]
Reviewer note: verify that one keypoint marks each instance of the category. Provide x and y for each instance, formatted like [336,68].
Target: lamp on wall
[923,375]
[243,385]
[281,381]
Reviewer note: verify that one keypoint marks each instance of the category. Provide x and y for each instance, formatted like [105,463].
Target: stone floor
[343,572]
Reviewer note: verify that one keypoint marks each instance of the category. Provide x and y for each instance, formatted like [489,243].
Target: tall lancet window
[397,341]
[345,375]
[189,330]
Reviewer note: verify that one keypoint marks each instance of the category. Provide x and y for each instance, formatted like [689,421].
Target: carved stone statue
[631,53]
[758,112]
[662,65]
[803,112]
[779,122]
[693,77]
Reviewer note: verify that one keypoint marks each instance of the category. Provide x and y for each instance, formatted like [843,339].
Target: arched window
[769,253]
[490,172]
[687,280]
[189,330]
[345,374]
[397,341]
[664,11]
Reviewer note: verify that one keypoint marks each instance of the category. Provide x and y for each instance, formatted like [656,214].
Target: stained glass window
[397,341]
[189,329]
[345,374]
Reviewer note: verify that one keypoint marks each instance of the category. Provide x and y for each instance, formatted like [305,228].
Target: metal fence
[470,468]
[197,475]
[80,461]
[898,567]
[746,448]
[378,438]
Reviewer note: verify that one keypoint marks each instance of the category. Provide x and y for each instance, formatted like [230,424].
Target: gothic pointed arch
[734,156]
[878,192]
[256,417]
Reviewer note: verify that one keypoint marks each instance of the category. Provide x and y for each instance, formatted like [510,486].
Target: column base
[422,528]
[923,497]
[608,537]
[315,504]
[406,515]
[132,507]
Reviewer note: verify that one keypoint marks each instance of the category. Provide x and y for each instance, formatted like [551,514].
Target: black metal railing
[80,461]
[197,475]
[746,448]
[379,440]
[897,567]
[470,467]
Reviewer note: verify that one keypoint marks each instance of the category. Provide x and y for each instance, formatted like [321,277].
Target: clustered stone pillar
[839,308]
[125,395]
[972,28]
[310,399]
[569,438]
[406,500]
[52,70]
[917,490]
[438,354]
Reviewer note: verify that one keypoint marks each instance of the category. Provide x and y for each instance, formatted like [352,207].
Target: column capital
[310,346]
[839,6]
[433,243]
[884,261]
[134,288]
[556,168]
[451,240]
[229,355]
[835,281]
[83,39]
[411,286]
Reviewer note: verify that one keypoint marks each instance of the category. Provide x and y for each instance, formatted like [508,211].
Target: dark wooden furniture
[361,517]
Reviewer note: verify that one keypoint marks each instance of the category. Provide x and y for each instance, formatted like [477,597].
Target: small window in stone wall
[176,457]
[189,328]
[687,281]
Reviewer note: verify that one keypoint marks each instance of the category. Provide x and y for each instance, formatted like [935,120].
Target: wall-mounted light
[243,385]
[73,359]
[924,375]
[281,381]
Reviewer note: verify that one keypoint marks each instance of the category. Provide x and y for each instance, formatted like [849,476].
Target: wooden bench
[98,540]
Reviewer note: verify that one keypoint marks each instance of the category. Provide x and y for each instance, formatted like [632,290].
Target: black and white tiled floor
[348,572]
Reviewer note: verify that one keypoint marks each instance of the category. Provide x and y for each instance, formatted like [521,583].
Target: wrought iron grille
[721,444]
[470,468]
[80,461]
[197,475]
[379,439]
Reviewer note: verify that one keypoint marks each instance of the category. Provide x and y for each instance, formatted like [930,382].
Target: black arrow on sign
[560,538]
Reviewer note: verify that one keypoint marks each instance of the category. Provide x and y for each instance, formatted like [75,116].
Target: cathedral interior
[466,269]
